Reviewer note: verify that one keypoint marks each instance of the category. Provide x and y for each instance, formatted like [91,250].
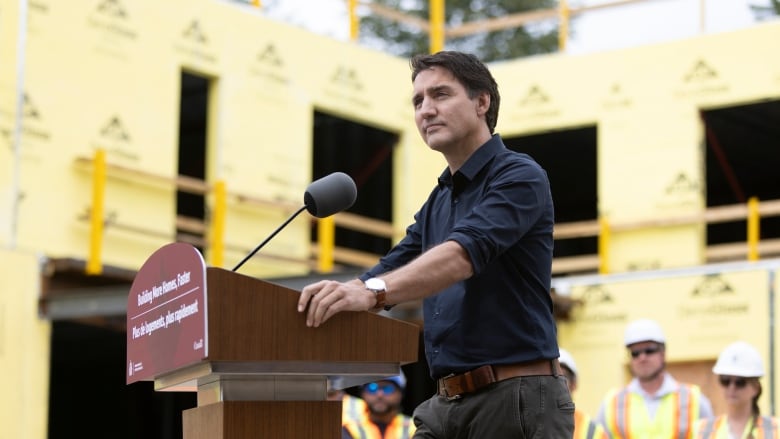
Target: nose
[426,108]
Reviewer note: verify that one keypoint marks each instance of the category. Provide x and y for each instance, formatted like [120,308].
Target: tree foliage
[404,40]
[764,12]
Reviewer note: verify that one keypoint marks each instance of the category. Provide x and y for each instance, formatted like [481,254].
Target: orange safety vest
[352,408]
[585,428]
[402,427]
[716,428]
[626,414]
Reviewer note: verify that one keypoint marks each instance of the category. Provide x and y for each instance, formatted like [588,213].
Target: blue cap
[398,380]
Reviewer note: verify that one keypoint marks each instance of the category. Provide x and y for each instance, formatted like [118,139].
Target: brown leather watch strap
[381,301]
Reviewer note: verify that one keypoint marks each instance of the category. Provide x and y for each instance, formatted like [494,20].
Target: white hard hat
[643,330]
[739,359]
[567,360]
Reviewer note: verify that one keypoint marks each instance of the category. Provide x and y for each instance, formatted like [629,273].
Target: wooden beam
[522,18]
[395,15]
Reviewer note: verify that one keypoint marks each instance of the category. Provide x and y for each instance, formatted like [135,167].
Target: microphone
[324,197]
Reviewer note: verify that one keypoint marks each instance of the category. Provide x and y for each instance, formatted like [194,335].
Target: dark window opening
[742,161]
[365,153]
[193,123]
[88,397]
[570,158]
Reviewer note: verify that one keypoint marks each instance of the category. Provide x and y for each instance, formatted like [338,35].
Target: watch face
[375,284]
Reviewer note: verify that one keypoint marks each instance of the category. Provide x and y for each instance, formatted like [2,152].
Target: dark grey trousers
[532,407]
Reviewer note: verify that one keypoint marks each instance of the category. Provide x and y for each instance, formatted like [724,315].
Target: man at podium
[480,254]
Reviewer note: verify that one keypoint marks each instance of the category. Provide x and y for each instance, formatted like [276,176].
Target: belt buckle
[444,388]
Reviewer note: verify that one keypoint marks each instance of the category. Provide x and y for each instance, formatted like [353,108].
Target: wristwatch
[379,288]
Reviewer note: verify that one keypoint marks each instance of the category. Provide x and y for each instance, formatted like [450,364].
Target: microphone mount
[259,246]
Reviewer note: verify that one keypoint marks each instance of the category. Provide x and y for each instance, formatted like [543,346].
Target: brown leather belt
[455,386]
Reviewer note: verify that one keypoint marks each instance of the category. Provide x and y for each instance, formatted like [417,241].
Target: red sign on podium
[166,313]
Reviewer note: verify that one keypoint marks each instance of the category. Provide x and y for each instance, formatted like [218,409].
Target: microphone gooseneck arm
[259,246]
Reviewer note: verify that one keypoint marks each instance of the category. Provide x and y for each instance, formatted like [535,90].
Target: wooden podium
[258,370]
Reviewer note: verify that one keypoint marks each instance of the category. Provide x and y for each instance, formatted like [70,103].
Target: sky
[646,22]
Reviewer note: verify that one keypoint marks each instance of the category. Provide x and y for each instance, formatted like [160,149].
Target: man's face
[647,360]
[445,114]
[382,397]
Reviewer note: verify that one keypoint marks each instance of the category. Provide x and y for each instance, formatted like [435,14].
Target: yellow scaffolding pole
[753,228]
[354,21]
[94,263]
[326,237]
[563,24]
[217,241]
[437,25]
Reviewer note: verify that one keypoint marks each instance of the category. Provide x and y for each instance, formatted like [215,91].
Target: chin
[436,145]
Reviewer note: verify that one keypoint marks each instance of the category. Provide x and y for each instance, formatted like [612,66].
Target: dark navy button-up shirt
[499,208]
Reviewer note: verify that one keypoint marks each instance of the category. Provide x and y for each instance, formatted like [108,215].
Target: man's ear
[483,103]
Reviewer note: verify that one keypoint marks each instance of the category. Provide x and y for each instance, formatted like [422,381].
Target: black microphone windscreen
[330,194]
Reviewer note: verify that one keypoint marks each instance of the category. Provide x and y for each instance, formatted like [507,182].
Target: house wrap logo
[112,8]
[194,33]
[536,104]
[682,184]
[713,296]
[111,17]
[681,190]
[701,79]
[616,98]
[194,43]
[347,78]
[269,65]
[599,306]
[700,72]
[115,138]
[114,130]
[346,85]
[33,124]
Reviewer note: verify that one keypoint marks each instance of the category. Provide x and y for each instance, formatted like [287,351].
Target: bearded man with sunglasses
[383,419]
[653,405]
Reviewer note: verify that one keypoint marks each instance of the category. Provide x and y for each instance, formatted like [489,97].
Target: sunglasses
[738,382]
[373,388]
[635,353]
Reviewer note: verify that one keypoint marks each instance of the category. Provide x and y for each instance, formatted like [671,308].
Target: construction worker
[352,406]
[383,418]
[739,368]
[653,405]
[584,426]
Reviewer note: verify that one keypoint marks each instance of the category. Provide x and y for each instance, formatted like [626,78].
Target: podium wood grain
[250,320]
[264,419]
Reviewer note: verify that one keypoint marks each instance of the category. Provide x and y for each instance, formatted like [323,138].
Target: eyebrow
[431,90]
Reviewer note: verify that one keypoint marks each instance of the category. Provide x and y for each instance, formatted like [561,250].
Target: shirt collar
[481,157]
[668,386]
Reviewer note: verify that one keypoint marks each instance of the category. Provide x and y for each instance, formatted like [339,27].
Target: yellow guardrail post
[94,263]
[753,228]
[563,24]
[326,237]
[354,21]
[437,25]
[217,241]
[604,237]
